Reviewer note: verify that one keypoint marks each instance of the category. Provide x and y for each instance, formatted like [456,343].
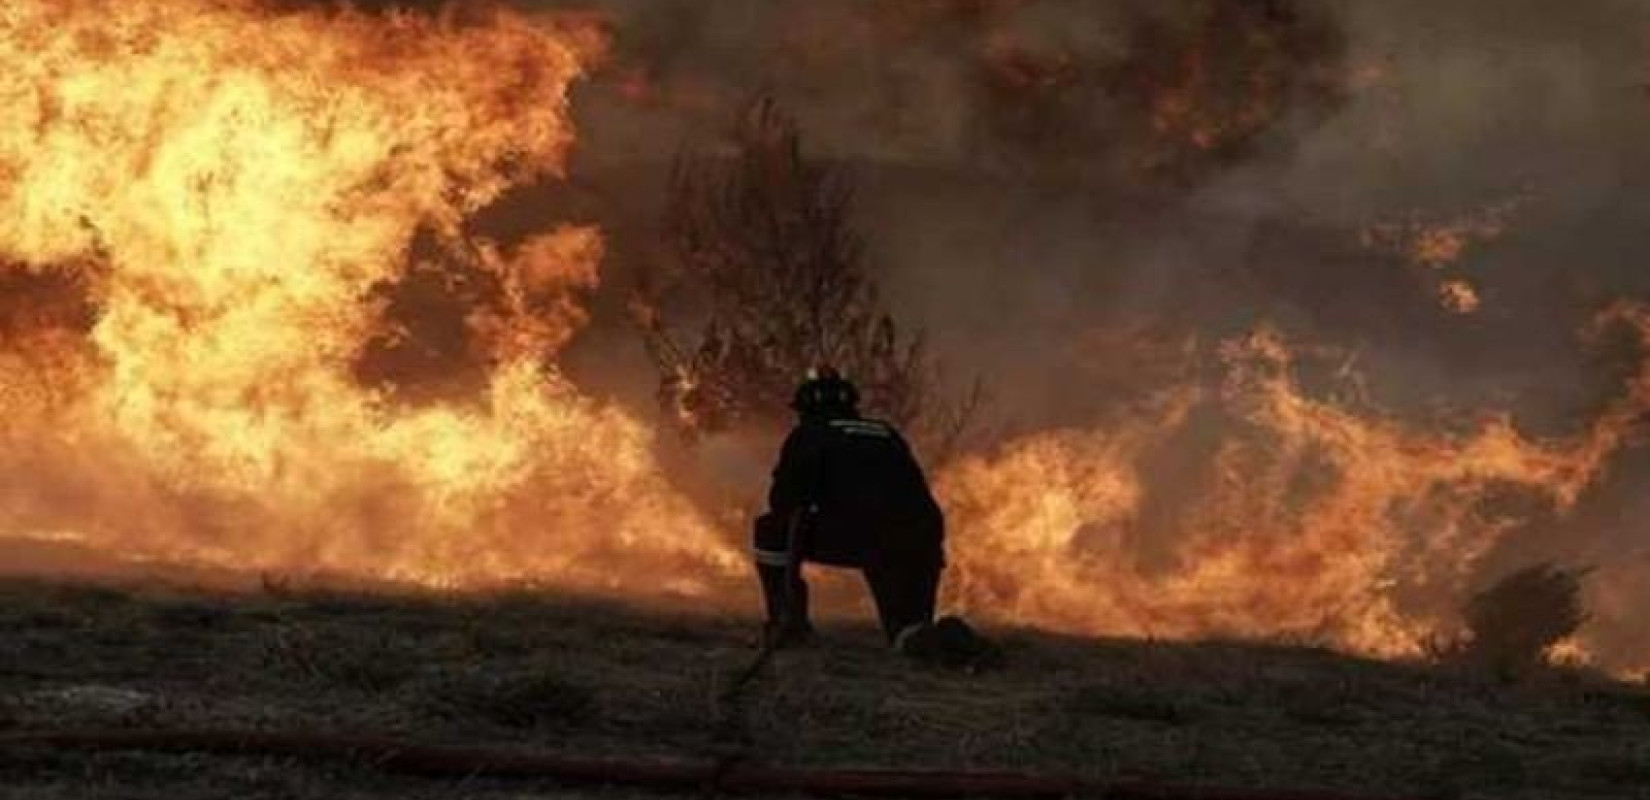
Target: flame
[1439,243]
[233,184]
[1434,245]
[1306,519]
[1214,86]
[204,205]
[1459,296]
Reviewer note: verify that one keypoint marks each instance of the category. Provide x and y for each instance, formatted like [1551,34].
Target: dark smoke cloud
[1034,163]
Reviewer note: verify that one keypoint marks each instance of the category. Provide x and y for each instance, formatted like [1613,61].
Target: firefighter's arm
[921,477]
[795,477]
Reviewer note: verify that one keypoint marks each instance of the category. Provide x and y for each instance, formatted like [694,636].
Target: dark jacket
[863,490]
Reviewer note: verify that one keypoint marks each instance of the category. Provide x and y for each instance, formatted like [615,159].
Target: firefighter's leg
[784,593]
[905,587]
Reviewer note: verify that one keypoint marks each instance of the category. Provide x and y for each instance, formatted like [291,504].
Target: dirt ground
[596,679]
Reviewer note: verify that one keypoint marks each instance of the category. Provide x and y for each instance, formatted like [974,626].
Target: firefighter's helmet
[824,393]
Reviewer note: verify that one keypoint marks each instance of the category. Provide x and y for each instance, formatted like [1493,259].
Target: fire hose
[728,771]
[732,733]
[678,776]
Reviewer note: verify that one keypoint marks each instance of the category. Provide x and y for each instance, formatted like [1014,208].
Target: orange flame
[1459,296]
[232,184]
[227,189]
[1305,520]
[1436,246]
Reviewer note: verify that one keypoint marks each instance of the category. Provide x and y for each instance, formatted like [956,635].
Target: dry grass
[599,679]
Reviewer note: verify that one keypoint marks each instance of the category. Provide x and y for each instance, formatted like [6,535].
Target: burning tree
[768,264]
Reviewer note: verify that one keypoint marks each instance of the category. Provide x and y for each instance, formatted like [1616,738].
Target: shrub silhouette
[769,278]
[1513,624]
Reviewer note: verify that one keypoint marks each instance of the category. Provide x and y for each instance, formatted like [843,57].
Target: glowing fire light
[1459,296]
[1315,524]
[227,188]
[232,183]
[1436,246]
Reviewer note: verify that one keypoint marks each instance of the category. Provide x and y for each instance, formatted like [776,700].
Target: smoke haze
[1252,285]
[1024,204]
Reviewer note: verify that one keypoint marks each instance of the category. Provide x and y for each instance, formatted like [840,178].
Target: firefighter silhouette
[848,492]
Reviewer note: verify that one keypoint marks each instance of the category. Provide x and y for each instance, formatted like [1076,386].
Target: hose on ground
[672,776]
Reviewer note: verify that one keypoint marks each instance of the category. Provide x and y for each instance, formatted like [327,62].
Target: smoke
[1081,200]
[1007,150]
[1047,157]
[1108,209]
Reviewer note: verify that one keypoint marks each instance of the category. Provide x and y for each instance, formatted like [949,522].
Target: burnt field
[586,678]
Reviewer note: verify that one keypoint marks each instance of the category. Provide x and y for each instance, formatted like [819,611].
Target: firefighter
[848,492]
